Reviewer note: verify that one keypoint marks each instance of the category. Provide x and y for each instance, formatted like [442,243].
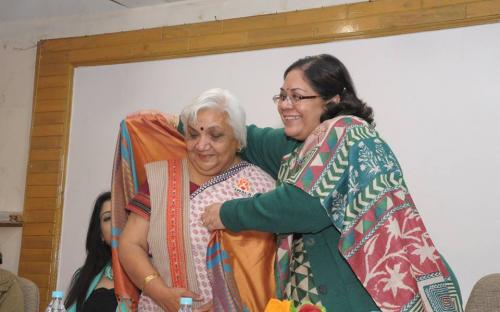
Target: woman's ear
[335,99]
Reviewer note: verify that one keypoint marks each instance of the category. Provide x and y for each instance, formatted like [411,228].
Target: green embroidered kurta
[311,215]
[282,211]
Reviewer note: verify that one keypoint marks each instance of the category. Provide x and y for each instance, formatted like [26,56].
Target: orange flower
[243,184]
[275,305]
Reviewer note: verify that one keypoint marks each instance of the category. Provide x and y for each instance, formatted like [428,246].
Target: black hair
[98,255]
[329,77]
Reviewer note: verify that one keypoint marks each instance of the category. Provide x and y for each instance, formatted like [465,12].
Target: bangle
[148,279]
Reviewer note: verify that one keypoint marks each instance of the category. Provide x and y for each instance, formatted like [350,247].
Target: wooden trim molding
[57,58]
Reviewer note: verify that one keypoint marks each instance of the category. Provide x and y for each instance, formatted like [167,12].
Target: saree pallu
[352,171]
[143,138]
[239,266]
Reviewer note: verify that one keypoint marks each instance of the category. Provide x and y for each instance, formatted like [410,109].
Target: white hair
[224,101]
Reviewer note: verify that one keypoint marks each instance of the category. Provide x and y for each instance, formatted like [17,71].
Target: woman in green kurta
[350,237]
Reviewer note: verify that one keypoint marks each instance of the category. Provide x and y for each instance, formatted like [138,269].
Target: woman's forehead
[106,207]
[210,118]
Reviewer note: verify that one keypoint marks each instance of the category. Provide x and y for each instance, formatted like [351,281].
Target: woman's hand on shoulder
[211,217]
[171,119]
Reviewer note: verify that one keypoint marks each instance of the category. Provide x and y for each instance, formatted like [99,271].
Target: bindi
[201,128]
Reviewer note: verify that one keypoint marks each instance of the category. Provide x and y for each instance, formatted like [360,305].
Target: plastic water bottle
[186,304]
[56,304]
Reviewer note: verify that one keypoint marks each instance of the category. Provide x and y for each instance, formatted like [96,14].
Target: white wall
[435,96]
[17,66]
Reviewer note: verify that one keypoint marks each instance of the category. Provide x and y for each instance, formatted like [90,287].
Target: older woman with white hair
[165,249]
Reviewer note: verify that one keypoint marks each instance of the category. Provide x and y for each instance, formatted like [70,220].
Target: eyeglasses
[294,98]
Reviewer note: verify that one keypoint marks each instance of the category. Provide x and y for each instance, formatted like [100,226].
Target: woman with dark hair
[92,287]
[350,237]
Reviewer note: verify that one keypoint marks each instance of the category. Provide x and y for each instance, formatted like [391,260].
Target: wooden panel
[437,3]
[37,242]
[39,255]
[43,191]
[51,106]
[113,39]
[54,69]
[165,47]
[43,179]
[53,81]
[382,7]
[222,40]
[128,52]
[44,166]
[483,8]
[175,32]
[347,27]
[42,280]
[66,44]
[325,14]
[52,57]
[203,29]
[254,22]
[283,34]
[55,93]
[44,302]
[102,54]
[45,154]
[50,143]
[199,29]
[49,118]
[428,16]
[30,267]
[35,216]
[40,204]
[48,130]
[38,229]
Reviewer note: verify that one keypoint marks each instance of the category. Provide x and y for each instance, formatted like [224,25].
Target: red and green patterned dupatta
[357,178]
[143,138]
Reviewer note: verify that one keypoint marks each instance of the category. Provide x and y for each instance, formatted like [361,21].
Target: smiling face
[105,221]
[301,118]
[211,145]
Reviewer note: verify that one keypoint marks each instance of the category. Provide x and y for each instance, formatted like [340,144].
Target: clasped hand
[168,298]
[211,217]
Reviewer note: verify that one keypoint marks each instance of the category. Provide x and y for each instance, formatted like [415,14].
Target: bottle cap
[186,300]
[57,294]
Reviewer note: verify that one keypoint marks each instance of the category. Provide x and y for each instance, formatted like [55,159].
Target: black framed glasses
[294,98]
